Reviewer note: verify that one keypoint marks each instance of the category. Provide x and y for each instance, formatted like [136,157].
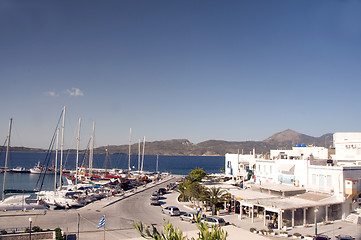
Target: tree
[213,196]
[196,175]
[190,188]
[171,233]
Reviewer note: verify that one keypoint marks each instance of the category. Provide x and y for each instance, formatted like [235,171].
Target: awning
[286,167]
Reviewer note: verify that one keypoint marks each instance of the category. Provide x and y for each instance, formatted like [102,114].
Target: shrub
[263,231]
[252,229]
[297,234]
[58,235]
[3,232]
[284,232]
[270,230]
[36,229]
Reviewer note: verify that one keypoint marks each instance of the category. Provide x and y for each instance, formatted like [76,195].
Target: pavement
[238,228]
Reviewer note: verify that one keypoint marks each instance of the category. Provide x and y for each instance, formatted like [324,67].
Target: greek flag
[101,222]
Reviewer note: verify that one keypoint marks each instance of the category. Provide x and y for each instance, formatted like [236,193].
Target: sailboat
[21,201]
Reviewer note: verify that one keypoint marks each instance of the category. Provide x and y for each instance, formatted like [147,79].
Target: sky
[192,69]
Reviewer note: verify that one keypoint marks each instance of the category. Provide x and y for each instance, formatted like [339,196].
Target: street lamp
[316,210]
[30,221]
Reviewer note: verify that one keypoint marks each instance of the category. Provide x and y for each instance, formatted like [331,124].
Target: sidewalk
[331,230]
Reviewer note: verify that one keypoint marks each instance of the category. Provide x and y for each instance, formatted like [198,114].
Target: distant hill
[282,140]
[289,138]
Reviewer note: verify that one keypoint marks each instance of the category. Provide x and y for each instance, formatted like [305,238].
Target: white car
[214,221]
[190,217]
[171,210]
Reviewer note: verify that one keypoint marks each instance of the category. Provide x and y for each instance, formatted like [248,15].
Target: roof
[294,202]
[350,179]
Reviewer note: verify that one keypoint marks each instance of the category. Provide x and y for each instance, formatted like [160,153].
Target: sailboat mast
[139,155]
[6,158]
[62,149]
[106,161]
[77,152]
[130,141]
[91,153]
[143,153]
[56,158]
[156,167]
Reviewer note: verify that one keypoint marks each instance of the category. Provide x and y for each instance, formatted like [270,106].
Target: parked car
[321,237]
[345,237]
[154,201]
[214,221]
[162,191]
[155,195]
[171,210]
[190,217]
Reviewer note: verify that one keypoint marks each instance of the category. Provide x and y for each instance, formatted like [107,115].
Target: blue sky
[227,70]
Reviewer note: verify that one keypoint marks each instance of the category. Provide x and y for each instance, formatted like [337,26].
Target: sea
[179,165]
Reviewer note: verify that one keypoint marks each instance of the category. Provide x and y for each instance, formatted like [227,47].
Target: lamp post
[316,210]
[30,221]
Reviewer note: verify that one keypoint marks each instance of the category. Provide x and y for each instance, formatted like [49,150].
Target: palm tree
[213,196]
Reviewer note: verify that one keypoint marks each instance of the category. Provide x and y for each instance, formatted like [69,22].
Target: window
[329,181]
[314,179]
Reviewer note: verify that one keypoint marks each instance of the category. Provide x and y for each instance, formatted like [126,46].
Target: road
[120,212]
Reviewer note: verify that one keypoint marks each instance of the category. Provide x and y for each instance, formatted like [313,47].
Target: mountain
[289,138]
[282,140]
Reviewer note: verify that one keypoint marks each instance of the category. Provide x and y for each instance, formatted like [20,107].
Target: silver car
[171,210]
[190,217]
[214,221]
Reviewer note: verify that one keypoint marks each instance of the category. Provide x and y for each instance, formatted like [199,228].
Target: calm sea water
[181,165]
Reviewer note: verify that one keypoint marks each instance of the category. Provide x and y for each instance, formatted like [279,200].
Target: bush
[297,234]
[58,235]
[252,229]
[36,229]
[3,232]
[270,230]
[284,232]
[263,231]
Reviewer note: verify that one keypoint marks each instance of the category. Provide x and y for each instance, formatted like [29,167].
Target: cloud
[51,94]
[76,92]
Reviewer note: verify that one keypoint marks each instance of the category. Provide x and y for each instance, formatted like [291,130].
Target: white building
[347,148]
[311,169]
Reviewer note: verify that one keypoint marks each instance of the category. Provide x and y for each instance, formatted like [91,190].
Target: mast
[156,166]
[91,153]
[61,149]
[139,155]
[56,158]
[130,141]
[77,152]
[6,158]
[106,161]
[143,154]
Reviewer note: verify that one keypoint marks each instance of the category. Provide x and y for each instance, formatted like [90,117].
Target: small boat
[37,169]
[19,170]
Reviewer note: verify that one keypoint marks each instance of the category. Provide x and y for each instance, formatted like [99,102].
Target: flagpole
[104,227]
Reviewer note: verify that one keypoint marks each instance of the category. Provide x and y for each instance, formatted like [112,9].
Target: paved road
[121,213]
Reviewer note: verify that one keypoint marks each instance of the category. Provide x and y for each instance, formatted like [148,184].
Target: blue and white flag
[101,222]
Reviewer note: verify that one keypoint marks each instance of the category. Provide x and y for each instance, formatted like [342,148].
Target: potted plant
[308,237]
[284,234]
[297,235]
[264,232]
